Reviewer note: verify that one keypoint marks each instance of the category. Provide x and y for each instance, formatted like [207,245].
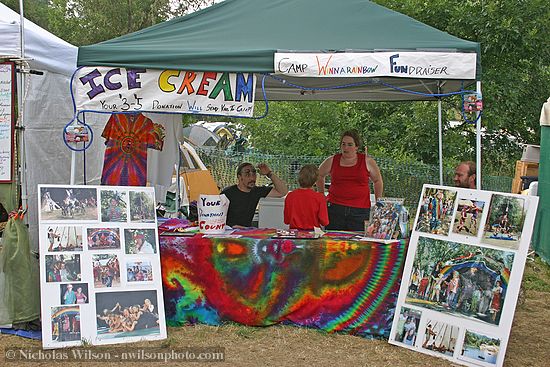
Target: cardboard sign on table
[463,274]
[100,272]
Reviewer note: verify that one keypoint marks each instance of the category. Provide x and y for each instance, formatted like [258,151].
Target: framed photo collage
[463,273]
[100,273]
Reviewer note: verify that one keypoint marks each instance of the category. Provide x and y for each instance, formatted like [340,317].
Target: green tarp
[19,277]
[541,233]
[243,35]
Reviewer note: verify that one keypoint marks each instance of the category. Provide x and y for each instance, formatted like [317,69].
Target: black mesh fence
[401,180]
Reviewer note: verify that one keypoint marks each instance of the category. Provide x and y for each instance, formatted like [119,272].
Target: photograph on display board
[63,238]
[127,314]
[407,326]
[440,337]
[68,203]
[480,348]
[468,217]
[140,241]
[113,205]
[103,238]
[62,268]
[65,323]
[384,222]
[142,207]
[106,270]
[139,271]
[436,211]
[74,293]
[505,220]
[463,280]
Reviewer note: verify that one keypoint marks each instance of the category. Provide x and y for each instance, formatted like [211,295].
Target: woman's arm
[376,177]
[324,171]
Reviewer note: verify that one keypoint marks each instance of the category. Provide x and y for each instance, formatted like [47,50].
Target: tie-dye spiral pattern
[336,285]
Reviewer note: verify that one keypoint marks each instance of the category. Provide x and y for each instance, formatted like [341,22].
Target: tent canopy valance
[245,36]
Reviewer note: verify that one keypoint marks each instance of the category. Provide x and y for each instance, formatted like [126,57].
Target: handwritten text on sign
[127,90]
[6,120]
[427,65]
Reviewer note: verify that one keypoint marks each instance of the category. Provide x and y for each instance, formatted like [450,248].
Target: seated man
[245,195]
[465,175]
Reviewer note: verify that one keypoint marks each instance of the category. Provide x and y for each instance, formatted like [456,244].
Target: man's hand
[264,169]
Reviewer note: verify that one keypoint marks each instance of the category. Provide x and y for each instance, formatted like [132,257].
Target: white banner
[119,90]
[427,65]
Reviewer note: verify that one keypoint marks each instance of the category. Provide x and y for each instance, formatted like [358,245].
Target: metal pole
[22,79]
[478,141]
[440,133]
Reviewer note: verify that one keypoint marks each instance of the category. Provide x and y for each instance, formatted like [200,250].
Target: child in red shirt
[304,207]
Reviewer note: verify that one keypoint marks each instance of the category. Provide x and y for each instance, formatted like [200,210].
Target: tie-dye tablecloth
[335,284]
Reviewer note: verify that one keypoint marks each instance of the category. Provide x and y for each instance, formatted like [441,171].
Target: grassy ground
[292,346]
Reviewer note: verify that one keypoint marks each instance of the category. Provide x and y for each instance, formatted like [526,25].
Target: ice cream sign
[108,89]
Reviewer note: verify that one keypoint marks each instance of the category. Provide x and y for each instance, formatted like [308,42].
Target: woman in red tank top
[349,192]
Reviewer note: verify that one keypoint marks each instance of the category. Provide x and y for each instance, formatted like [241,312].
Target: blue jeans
[346,218]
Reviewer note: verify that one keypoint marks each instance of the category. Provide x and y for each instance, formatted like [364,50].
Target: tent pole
[21,91]
[478,141]
[440,136]
[73,165]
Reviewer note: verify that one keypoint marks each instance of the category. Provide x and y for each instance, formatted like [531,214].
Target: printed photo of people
[436,211]
[140,241]
[113,206]
[59,203]
[463,280]
[127,314]
[384,222]
[103,238]
[65,323]
[139,271]
[467,217]
[407,326]
[505,221]
[106,270]
[142,207]
[440,337]
[62,268]
[74,293]
[480,348]
[63,238]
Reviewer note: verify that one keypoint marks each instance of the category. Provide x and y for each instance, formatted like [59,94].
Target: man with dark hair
[465,175]
[245,195]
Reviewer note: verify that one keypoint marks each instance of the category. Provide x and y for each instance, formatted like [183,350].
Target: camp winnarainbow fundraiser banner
[112,89]
[426,65]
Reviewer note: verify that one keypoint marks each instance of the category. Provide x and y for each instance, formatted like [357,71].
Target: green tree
[84,22]
[515,70]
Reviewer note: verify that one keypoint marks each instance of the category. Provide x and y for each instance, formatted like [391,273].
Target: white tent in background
[45,103]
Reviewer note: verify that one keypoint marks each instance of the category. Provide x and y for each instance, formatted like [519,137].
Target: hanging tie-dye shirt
[128,137]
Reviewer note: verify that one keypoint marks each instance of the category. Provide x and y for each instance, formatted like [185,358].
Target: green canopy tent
[245,35]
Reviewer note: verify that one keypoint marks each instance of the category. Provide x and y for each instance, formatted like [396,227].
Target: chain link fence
[401,180]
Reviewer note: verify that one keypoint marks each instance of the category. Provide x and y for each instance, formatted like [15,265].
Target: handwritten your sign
[126,90]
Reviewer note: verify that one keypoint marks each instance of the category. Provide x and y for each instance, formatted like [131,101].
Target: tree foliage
[513,35]
[515,77]
[84,22]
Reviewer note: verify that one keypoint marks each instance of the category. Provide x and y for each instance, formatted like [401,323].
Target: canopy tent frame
[244,36]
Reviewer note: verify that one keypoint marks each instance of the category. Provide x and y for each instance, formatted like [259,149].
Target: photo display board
[100,273]
[463,274]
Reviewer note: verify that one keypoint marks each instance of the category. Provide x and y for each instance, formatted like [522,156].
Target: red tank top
[349,186]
